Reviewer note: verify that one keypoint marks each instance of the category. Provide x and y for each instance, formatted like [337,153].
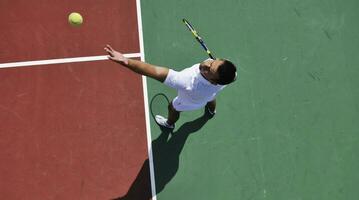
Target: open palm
[115,55]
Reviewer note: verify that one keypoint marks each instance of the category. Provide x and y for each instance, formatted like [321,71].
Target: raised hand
[115,55]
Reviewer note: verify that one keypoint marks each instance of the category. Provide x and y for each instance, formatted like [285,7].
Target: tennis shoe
[163,122]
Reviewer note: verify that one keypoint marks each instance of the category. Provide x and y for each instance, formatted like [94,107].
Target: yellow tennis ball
[75,19]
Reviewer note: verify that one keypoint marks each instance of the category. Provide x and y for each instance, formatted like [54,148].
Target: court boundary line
[62,60]
[145,96]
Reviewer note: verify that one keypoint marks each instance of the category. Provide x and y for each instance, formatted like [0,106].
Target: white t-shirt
[194,91]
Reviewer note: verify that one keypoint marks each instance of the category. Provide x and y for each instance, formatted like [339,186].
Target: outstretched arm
[146,69]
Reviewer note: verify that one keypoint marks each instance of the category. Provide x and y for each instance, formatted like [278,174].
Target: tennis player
[197,86]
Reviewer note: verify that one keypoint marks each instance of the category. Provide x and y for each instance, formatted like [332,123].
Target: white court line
[63,60]
[145,96]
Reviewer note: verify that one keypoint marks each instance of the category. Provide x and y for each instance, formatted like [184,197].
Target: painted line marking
[63,60]
[145,96]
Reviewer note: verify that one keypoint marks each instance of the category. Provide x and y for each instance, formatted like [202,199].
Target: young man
[197,86]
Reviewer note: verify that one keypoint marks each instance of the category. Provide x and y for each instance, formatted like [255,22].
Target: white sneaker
[163,122]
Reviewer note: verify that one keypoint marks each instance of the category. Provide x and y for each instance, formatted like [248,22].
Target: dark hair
[227,72]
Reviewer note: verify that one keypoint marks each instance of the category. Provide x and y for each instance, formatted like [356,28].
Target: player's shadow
[166,149]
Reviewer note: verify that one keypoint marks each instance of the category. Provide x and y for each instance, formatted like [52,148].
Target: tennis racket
[198,38]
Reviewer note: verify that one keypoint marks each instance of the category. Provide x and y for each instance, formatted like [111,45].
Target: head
[219,71]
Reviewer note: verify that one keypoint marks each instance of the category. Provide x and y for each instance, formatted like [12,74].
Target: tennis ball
[75,19]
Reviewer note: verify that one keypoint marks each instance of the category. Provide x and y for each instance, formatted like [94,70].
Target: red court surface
[69,131]
[33,30]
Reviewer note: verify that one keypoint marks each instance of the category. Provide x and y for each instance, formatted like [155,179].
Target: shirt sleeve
[176,80]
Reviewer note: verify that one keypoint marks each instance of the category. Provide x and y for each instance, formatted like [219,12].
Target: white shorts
[182,104]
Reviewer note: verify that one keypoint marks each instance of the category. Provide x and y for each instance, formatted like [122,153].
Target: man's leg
[211,108]
[173,114]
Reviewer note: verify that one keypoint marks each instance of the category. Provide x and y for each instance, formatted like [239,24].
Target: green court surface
[288,128]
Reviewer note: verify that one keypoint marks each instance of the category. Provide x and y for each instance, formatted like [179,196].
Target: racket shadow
[166,149]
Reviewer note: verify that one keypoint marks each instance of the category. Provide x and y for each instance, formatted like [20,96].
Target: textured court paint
[74,130]
[64,134]
[46,33]
[288,128]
